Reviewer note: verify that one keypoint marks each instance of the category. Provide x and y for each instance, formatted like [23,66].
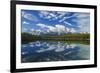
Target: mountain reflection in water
[45,51]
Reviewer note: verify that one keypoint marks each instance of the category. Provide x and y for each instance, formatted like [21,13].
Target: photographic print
[54,36]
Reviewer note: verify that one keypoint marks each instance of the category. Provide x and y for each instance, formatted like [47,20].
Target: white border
[20,65]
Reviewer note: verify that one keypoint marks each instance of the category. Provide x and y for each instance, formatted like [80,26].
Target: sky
[54,21]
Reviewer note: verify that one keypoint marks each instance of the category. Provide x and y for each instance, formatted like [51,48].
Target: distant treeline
[27,37]
[70,37]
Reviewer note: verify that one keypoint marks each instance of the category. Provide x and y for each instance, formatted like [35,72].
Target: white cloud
[67,23]
[82,15]
[57,28]
[48,17]
[29,16]
[50,28]
[44,14]
[61,14]
[24,29]
[83,20]
[51,15]
[63,19]
[72,30]
[60,29]
[24,22]
[32,29]
[41,25]
[35,32]
[67,17]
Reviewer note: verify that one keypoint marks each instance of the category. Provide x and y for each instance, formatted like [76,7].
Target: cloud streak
[29,16]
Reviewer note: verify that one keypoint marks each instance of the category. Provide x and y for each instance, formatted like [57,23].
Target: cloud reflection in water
[43,51]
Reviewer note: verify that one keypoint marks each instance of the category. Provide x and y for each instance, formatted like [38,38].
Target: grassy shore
[26,37]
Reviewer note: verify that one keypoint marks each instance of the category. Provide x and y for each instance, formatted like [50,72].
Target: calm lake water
[45,51]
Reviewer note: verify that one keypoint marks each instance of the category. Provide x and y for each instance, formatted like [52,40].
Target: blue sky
[54,21]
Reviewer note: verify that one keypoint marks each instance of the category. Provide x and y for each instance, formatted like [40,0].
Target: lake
[46,51]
